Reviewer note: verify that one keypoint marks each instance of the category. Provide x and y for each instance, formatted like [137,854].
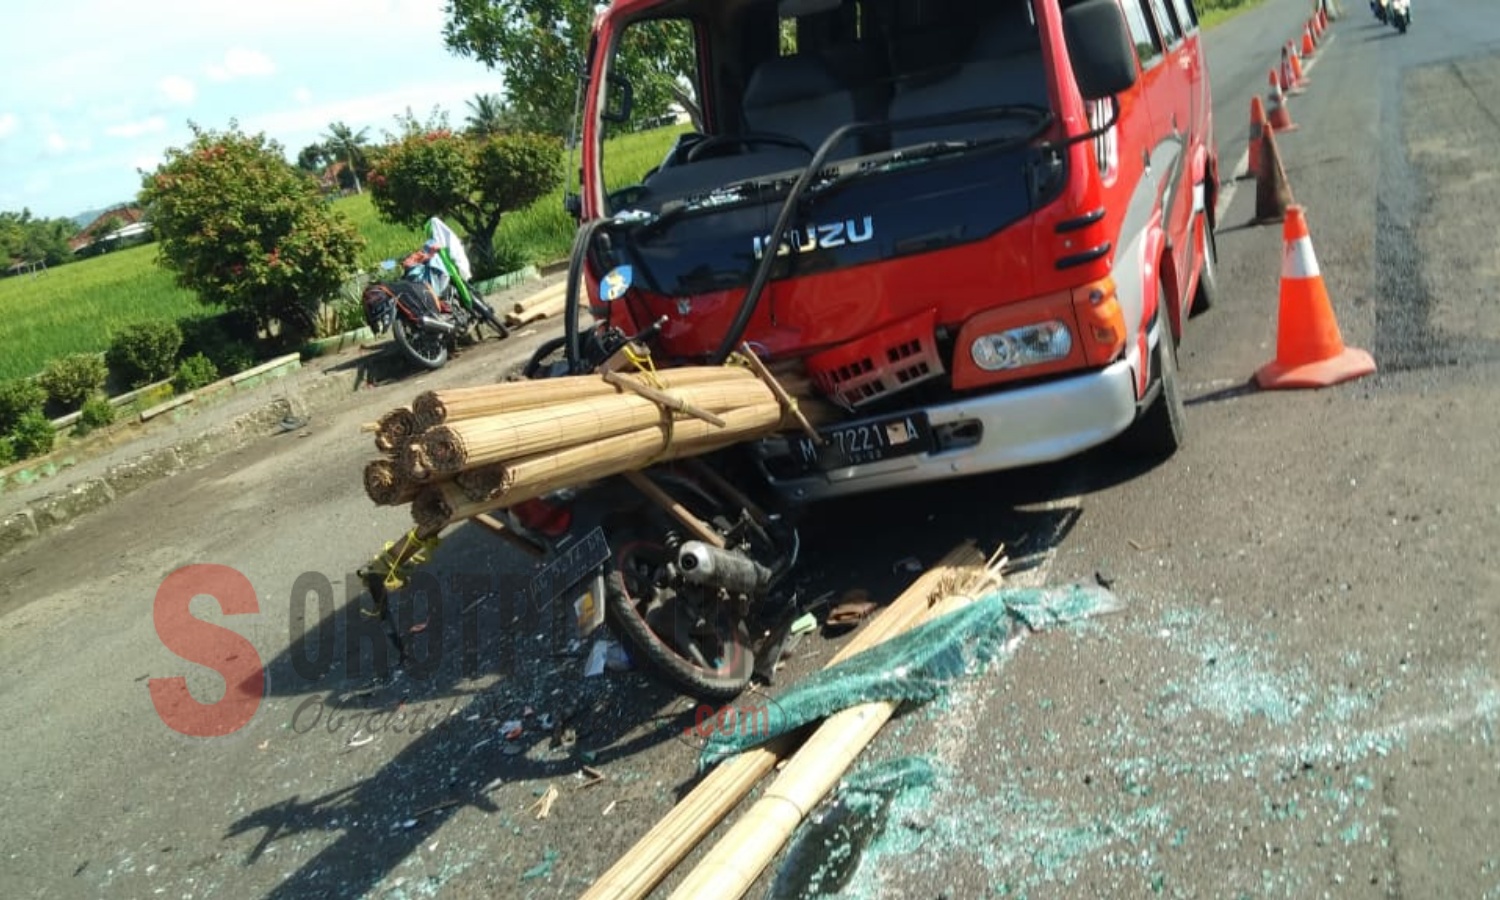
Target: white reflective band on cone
[1298,260]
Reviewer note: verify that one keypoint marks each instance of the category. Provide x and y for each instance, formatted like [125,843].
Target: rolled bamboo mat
[435,408]
[414,464]
[394,429]
[529,478]
[471,443]
[635,449]
[672,838]
[733,864]
[386,485]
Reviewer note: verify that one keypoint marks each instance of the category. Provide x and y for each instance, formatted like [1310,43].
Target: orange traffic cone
[1289,85]
[1308,47]
[1310,351]
[1277,115]
[1297,77]
[1273,194]
[1257,129]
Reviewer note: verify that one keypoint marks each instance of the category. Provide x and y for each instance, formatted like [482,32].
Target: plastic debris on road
[918,665]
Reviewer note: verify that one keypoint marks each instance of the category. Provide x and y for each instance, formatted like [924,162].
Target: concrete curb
[73,501]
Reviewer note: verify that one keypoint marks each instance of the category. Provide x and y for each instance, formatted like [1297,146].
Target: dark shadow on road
[1229,393]
[462,625]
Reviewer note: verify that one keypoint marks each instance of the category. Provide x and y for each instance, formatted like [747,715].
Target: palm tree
[488,115]
[343,139]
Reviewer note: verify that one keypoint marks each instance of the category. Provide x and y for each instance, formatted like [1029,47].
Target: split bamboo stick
[471,443]
[435,408]
[394,429]
[731,867]
[671,839]
[386,484]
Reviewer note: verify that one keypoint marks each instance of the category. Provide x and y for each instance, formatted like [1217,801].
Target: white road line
[1242,167]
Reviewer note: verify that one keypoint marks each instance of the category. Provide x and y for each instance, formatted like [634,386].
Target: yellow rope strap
[414,552]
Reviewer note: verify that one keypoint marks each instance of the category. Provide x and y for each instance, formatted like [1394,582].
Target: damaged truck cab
[978,226]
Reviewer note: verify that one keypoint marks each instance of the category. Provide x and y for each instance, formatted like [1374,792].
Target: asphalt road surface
[1298,698]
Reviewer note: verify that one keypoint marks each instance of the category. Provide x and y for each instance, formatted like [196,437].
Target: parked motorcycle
[430,306]
[1401,14]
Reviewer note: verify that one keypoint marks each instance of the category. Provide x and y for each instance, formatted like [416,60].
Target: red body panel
[1169,106]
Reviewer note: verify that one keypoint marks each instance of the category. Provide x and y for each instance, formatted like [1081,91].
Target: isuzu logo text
[820,237]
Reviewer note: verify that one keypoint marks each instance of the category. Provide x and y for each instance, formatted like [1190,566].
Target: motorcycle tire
[656,635]
[426,349]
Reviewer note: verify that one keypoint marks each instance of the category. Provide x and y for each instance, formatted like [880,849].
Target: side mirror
[621,99]
[1099,45]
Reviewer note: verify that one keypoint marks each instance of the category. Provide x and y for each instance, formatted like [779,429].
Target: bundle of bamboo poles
[547,302]
[454,454]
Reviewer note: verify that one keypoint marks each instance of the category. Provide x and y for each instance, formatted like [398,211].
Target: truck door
[1172,106]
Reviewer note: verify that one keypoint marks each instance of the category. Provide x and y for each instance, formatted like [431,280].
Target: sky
[96,89]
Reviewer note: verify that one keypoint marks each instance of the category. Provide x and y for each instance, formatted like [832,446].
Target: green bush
[32,436]
[70,380]
[193,373]
[225,339]
[97,413]
[145,352]
[17,398]
[7,451]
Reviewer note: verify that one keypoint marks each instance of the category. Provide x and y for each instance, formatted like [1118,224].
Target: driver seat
[798,96]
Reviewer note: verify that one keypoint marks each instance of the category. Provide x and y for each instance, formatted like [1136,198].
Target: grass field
[75,308]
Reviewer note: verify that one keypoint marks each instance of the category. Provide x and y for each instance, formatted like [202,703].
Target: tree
[540,46]
[470,181]
[242,229]
[488,115]
[25,237]
[315,157]
[341,139]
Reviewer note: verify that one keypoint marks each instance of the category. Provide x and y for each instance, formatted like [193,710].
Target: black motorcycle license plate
[579,560]
[861,443]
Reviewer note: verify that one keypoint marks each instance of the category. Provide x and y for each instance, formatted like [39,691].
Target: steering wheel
[720,141]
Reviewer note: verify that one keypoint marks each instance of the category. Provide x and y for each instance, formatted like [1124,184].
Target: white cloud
[140,128]
[303,96]
[293,127]
[57,144]
[178,90]
[242,63]
[8,124]
[147,163]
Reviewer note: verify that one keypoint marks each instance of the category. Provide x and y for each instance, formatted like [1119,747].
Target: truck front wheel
[1161,429]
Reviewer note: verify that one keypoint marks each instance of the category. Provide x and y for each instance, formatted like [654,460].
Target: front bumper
[1007,429]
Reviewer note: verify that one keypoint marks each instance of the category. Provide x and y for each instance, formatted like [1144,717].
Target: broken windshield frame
[734,194]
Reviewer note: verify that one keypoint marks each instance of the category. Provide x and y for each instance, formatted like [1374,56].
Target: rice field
[75,308]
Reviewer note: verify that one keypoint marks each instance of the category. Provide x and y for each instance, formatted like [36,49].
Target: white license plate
[861,443]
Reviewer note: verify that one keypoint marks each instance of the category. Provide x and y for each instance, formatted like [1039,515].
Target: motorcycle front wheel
[426,348]
[702,649]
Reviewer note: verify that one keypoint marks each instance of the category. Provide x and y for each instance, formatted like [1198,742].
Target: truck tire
[1208,281]
[1161,429]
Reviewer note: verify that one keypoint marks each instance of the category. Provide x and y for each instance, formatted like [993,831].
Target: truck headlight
[1024,346]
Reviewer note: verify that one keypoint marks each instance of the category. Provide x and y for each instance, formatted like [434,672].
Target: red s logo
[208,645]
